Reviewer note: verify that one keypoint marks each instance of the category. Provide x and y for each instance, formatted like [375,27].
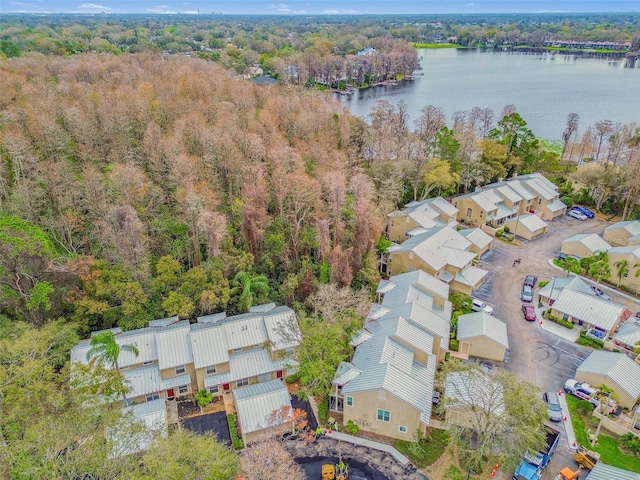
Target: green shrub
[302,395]
[560,321]
[499,233]
[351,428]
[233,431]
[543,283]
[453,345]
[506,229]
[589,342]
[293,378]
[584,407]
[323,410]
[631,442]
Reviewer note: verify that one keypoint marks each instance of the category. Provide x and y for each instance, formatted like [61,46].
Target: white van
[479,306]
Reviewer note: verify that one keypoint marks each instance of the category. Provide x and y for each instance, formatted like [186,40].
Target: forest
[137,187]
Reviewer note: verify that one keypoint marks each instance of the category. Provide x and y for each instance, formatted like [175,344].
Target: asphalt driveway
[212,422]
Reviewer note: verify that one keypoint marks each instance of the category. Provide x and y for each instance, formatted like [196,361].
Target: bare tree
[602,131]
[268,459]
[569,131]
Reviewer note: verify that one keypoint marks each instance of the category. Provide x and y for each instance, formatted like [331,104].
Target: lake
[544,87]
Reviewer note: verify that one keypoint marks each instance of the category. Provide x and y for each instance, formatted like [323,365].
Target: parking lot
[535,355]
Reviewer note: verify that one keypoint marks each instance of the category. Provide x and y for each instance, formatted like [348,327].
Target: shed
[584,245]
[527,226]
[616,371]
[602,471]
[263,408]
[482,335]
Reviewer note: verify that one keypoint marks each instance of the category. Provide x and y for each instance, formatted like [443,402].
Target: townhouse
[418,217]
[387,388]
[218,353]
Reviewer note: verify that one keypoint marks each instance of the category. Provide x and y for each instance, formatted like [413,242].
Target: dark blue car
[585,211]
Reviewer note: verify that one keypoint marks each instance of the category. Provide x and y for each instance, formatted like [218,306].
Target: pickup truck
[584,391]
[532,466]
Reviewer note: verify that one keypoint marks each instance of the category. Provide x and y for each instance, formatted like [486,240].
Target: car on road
[527,294]
[564,256]
[598,292]
[530,280]
[554,409]
[478,305]
[585,211]
[529,313]
[577,215]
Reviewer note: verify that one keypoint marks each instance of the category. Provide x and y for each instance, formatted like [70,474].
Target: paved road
[535,355]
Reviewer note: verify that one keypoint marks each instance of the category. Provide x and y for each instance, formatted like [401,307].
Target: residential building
[418,217]
[387,388]
[218,353]
[498,202]
[570,298]
[623,234]
[481,242]
[441,252]
[615,370]
[527,226]
[629,258]
[263,409]
[584,245]
[628,335]
[367,52]
[482,335]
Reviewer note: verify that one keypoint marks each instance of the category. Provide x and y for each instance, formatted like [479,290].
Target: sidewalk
[370,444]
[552,327]
[568,426]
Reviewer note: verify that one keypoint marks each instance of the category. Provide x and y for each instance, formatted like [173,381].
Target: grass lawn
[427,451]
[608,446]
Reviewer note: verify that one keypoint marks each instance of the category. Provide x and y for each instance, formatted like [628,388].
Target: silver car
[527,294]
[554,409]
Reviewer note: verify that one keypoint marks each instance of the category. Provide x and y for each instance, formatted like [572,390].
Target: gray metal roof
[631,226]
[282,328]
[147,380]
[471,276]
[531,222]
[345,372]
[592,241]
[541,189]
[255,362]
[628,333]
[256,403]
[616,366]
[589,308]
[246,331]
[557,284]
[265,307]
[602,471]
[509,193]
[209,345]
[476,236]
[479,324]
[174,345]
[556,205]
[164,322]
[213,318]
[213,380]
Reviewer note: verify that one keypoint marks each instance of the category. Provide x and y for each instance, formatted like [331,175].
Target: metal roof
[164,322]
[265,307]
[531,222]
[471,276]
[557,284]
[556,205]
[144,340]
[418,279]
[602,471]
[255,362]
[282,328]
[442,205]
[589,308]
[628,333]
[503,212]
[631,226]
[521,189]
[479,324]
[213,380]
[213,318]
[345,372]
[541,189]
[616,366]
[483,201]
[146,380]
[209,344]
[423,219]
[174,345]
[509,193]
[457,258]
[245,331]
[256,404]
[476,236]
[592,241]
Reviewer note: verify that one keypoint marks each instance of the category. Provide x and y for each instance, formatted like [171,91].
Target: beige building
[441,252]
[481,242]
[527,226]
[628,335]
[584,245]
[628,257]
[216,354]
[482,335]
[615,370]
[387,388]
[571,299]
[418,217]
[623,234]
[496,203]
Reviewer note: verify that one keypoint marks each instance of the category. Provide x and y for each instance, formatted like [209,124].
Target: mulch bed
[306,406]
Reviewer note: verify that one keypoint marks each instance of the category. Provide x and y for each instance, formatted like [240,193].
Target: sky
[318,7]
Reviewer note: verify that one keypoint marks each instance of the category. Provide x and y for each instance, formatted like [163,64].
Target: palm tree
[105,350]
[604,394]
[637,274]
[599,271]
[250,288]
[621,268]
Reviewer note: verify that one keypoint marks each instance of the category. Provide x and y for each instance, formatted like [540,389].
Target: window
[626,272]
[242,382]
[469,212]
[183,389]
[180,369]
[215,389]
[481,213]
[148,362]
[152,396]
[349,401]
[236,349]
[211,369]
[125,367]
[539,201]
[384,415]
[565,316]
[402,429]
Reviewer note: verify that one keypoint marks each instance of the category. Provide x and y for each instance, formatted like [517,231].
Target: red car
[529,312]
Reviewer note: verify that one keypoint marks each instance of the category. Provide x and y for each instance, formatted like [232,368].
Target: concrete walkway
[568,426]
[370,444]
[552,327]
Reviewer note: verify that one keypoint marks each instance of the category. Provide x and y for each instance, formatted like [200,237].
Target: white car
[479,306]
[577,215]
